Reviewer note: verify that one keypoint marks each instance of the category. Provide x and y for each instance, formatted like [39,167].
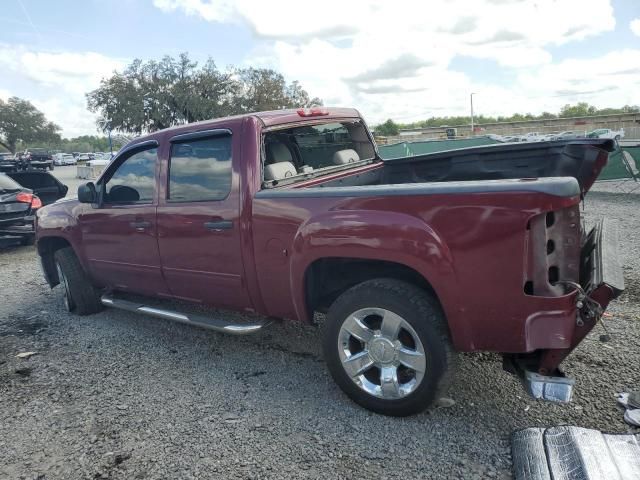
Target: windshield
[8,184]
[311,149]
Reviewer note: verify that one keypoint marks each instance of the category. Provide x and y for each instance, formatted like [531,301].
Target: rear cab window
[295,153]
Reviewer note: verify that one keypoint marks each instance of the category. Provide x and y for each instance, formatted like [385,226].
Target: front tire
[387,346]
[79,295]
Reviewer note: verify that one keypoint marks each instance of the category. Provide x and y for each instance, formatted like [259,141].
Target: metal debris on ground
[631,403]
[574,453]
[26,355]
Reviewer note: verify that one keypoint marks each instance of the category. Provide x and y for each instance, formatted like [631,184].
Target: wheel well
[47,246]
[327,278]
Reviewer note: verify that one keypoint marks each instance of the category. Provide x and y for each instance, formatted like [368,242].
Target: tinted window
[134,180]
[7,183]
[34,179]
[200,170]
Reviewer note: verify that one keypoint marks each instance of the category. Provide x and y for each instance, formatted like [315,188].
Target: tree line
[581,109]
[152,95]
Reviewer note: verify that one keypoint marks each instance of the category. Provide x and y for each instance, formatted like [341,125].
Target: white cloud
[56,83]
[634,25]
[392,60]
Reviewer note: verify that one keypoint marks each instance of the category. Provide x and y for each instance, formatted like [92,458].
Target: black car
[47,187]
[17,212]
[9,162]
[38,158]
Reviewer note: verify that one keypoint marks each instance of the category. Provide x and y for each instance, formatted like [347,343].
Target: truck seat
[279,170]
[342,157]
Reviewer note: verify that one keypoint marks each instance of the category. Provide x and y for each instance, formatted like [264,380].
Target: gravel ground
[116,395]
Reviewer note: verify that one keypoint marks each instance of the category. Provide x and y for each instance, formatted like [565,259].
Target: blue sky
[406,61]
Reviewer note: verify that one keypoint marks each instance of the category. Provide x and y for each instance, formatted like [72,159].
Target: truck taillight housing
[313,112]
[552,242]
[29,198]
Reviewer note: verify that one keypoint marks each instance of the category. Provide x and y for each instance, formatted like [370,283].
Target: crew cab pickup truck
[288,213]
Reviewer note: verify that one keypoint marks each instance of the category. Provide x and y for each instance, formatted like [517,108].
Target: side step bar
[196,320]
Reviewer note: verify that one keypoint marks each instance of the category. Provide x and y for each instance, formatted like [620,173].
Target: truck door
[198,220]
[119,236]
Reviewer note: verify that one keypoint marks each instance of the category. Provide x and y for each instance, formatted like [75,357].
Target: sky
[406,60]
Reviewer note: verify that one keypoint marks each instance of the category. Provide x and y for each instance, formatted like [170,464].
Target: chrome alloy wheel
[381,353]
[66,295]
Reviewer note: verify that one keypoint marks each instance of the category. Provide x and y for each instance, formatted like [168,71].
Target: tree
[581,109]
[158,94]
[20,121]
[388,128]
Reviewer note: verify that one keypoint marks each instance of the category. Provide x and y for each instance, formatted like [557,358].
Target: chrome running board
[196,320]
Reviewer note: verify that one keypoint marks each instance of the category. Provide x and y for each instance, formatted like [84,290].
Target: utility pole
[472,129]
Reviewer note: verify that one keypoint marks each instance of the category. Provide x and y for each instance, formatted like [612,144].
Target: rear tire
[387,346]
[79,295]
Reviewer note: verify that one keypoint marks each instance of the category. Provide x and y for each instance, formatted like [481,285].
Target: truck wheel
[51,167]
[78,294]
[387,346]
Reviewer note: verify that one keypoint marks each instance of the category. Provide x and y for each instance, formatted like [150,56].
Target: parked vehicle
[68,159]
[84,157]
[38,158]
[47,187]
[9,162]
[606,133]
[17,208]
[287,213]
[532,137]
[567,135]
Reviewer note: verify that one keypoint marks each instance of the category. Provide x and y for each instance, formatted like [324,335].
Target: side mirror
[87,193]
[63,191]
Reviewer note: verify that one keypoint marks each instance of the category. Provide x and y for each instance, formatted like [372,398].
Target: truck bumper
[601,281]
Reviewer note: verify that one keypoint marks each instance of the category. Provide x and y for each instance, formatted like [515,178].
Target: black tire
[424,315]
[28,240]
[79,294]
[51,167]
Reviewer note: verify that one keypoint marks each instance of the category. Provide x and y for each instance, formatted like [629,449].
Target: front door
[119,236]
[198,221]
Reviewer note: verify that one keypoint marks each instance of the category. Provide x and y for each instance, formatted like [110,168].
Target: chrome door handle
[219,225]
[140,225]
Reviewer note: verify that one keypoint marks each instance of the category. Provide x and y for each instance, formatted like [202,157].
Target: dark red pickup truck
[288,213]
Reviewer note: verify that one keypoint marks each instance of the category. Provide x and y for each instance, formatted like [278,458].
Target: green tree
[388,128]
[20,121]
[149,96]
[581,109]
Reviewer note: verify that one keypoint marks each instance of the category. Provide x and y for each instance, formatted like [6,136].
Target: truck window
[309,148]
[200,170]
[134,180]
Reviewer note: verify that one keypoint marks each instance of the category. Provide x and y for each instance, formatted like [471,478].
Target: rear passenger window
[200,170]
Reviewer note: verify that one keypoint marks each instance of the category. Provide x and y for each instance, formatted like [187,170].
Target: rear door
[198,220]
[119,236]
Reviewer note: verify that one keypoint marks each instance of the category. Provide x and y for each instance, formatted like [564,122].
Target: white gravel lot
[116,395]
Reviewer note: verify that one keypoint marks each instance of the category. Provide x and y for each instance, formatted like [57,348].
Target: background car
[606,133]
[17,212]
[68,159]
[8,162]
[47,187]
[567,135]
[38,158]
